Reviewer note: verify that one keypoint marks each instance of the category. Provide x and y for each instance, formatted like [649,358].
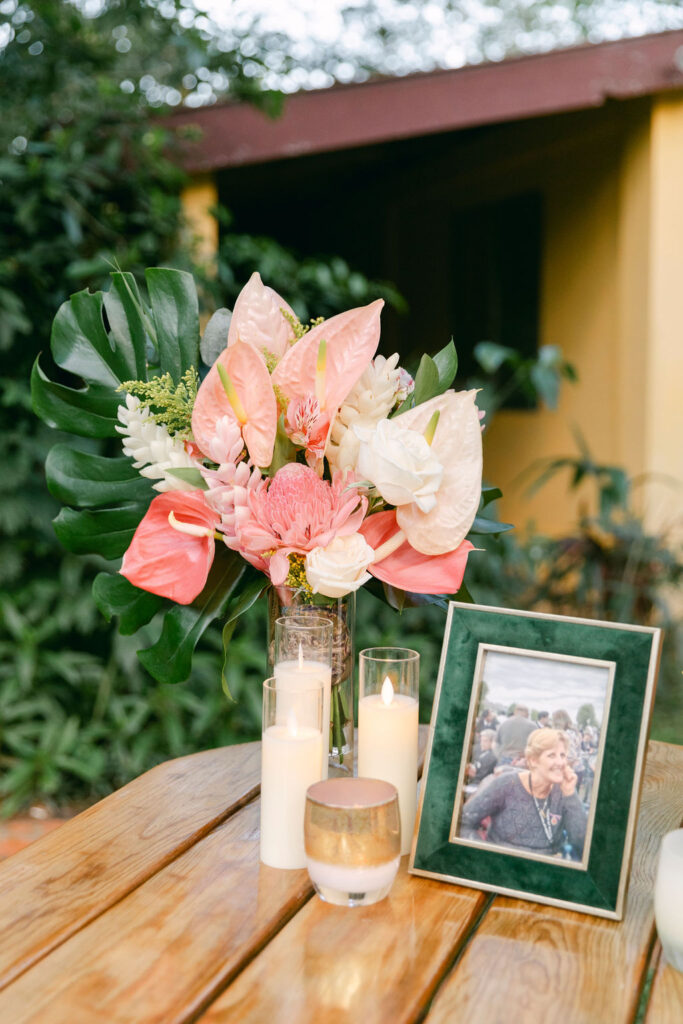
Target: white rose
[400,464]
[340,567]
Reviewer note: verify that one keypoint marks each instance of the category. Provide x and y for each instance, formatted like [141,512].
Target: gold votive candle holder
[352,838]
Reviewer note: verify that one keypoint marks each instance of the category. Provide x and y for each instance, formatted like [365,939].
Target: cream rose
[339,568]
[400,464]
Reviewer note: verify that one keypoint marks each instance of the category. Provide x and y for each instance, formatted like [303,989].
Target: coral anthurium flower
[257,320]
[243,392]
[166,559]
[348,342]
[296,511]
[409,570]
[456,445]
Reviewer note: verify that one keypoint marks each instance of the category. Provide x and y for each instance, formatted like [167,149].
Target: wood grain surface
[164,950]
[531,963]
[666,996]
[68,878]
[369,964]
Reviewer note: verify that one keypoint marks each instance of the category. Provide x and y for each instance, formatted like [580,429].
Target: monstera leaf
[101,340]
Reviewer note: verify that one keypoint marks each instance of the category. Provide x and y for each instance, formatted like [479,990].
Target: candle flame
[387,691]
[292,724]
[301,655]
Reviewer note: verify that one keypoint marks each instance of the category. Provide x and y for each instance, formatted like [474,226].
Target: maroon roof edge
[386,109]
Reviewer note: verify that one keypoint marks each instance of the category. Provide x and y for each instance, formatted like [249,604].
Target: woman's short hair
[488,733]
[561,720]
[541,740]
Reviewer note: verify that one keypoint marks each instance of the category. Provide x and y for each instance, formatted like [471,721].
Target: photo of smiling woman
[537,810]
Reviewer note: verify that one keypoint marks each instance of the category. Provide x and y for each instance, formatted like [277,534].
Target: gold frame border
[648,701]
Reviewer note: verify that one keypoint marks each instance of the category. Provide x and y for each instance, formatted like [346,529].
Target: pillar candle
[388,747]
[300,674]
[290,763]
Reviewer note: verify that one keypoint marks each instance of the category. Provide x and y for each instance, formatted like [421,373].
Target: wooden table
[152,907]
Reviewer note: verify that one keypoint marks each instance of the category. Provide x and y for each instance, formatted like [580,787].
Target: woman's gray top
[517,821]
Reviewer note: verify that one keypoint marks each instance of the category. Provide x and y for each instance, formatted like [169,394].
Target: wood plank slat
[160,954]
[63,881]
[531,963]
[372,964]
[665,1005]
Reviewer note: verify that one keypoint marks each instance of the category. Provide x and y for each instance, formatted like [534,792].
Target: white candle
[301,674]
[290,763]
[387,749]
[357,880]
[669,898]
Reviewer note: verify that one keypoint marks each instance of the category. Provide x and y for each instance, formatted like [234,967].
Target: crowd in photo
[529,781]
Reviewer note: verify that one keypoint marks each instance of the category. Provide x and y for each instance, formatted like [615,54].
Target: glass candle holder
[352,835]
[669,898]
[303,657]
[291,760]
[388,713]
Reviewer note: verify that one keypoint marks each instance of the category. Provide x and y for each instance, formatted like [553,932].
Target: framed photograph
[533,771]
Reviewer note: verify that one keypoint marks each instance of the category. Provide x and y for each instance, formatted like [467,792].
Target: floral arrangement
[302,457]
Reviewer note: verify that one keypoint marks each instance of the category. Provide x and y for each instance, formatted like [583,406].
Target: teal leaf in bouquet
[446,362]
[426,380]
[114,595]
[175,312]
[482,526]
[189,476]
[215,337]
[169,660]
[87,481]
[89,411]
[105,531]
[489,494]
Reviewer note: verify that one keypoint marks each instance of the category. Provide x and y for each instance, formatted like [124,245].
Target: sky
[544,683]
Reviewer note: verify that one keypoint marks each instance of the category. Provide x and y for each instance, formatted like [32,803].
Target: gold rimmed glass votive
[352,835]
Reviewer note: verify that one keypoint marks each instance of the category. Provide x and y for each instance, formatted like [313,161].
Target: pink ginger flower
[307,426]
[296,511]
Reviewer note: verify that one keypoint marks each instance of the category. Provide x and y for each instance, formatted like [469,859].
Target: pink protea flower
[307,426]
[296,511]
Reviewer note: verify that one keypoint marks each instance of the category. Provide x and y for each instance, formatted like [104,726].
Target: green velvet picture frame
[632,652]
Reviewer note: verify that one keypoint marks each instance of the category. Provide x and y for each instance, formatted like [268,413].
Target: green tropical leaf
[175,312]
[106,532]
[89,411]
[489,494]
[239,604]
[81,345]
[114,595]
[491,356]
[123,306]
[86,480]
[169,660]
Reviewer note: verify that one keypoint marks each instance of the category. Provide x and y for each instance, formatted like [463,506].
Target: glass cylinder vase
[341,612]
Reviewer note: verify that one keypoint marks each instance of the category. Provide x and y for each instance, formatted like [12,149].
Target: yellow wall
[611,298]
[198,199]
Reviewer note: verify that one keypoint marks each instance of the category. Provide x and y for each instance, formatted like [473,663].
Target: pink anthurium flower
[407,568]
[258,321]
[171,557]
[346,343]
[240,389]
